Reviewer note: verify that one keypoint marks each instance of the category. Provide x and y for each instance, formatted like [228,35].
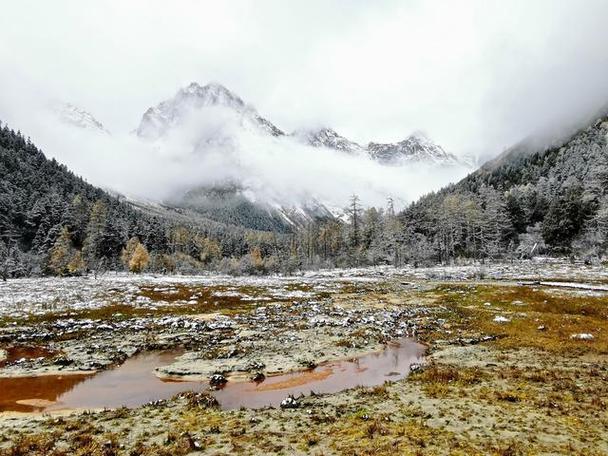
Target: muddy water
[16,353]
[391,364]
[35,394]
[131,384]
[134,383]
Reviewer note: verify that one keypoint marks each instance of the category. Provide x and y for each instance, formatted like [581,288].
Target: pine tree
[93,242]
[3,261]
[496,222]
[354,211]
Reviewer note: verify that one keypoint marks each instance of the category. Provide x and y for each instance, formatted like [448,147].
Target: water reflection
[134,383]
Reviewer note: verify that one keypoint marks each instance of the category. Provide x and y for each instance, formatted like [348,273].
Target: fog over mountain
[341,76]
[207,136]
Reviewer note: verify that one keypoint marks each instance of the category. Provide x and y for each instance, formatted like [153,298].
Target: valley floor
[516,362]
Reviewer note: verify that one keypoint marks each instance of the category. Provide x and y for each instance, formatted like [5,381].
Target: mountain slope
[38,197]
[326,137]
[555,198]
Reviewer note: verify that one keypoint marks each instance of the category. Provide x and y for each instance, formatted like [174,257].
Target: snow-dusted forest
[524,203]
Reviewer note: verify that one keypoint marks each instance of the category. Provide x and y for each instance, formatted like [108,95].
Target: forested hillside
[523,202]
[52,221]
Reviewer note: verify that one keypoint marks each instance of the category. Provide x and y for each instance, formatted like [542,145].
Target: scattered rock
[501,319]
[63,361]
[582,336]
[202,400]
[255,365]
[415,367]
[289,402]
[218,380]
[474,340]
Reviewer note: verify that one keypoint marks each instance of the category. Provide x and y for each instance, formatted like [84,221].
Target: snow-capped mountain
[158,120]
[77,117]
[326,137]
[172,114]
[415,148]
[253,174]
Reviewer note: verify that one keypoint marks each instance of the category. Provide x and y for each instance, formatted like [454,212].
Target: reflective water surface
[134,382]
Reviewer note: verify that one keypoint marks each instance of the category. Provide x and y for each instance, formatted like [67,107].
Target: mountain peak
[78,117]
[211,94]
[157,120]
[327,137]
[417,147]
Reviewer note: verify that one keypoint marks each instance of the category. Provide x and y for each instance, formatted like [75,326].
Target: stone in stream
[289,402]
[217,380]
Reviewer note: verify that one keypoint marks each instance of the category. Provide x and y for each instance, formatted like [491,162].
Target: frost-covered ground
[514,349]
[39,296]
[286,321]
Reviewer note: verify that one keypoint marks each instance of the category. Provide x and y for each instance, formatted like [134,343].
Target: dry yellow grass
[538,318]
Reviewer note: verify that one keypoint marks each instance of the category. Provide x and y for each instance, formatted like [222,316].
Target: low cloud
[212,148]
[478,76]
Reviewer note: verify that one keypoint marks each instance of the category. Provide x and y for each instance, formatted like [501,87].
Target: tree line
[553,201]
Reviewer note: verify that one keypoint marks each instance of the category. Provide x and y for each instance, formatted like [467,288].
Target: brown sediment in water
[391,364]
[134,383]
[20,394]
[279,382]
[131,384]
[15,353]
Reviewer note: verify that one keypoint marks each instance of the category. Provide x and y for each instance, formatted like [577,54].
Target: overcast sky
[475,75]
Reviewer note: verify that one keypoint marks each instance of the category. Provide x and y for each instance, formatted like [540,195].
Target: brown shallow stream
[134,383]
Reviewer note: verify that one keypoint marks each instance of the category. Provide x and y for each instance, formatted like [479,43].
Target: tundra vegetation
[516,364]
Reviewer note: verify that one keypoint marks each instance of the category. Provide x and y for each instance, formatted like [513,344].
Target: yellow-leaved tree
[256,258]
[128,251]
[64,258]
[135,256]
[77,264]
[208,249]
